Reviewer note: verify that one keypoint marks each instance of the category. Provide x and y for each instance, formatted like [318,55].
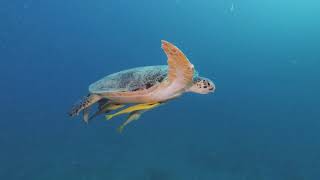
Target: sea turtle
[144,87]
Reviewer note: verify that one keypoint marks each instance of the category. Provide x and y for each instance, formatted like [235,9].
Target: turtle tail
[83,104]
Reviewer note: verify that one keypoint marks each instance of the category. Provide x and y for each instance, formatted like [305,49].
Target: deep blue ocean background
[262,123]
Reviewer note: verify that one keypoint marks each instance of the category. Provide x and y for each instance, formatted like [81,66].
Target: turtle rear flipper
[86,115]
[106,107]
[84,103]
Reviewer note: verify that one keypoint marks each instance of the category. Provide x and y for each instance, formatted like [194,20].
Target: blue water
[262,123]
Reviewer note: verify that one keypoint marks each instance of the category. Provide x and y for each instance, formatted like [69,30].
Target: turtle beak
[212,88]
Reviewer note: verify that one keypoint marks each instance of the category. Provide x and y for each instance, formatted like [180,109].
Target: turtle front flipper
[180,70]
[84,104]
[135,115]
[134,108]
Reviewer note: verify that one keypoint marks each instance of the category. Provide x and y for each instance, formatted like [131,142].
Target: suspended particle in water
[25,6]
[232,7]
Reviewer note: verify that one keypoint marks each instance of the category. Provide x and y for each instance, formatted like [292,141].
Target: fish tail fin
[109,116]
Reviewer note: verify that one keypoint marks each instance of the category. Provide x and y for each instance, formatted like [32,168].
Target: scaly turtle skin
[147,85]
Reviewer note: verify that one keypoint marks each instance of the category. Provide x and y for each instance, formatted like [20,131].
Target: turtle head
[202,85]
